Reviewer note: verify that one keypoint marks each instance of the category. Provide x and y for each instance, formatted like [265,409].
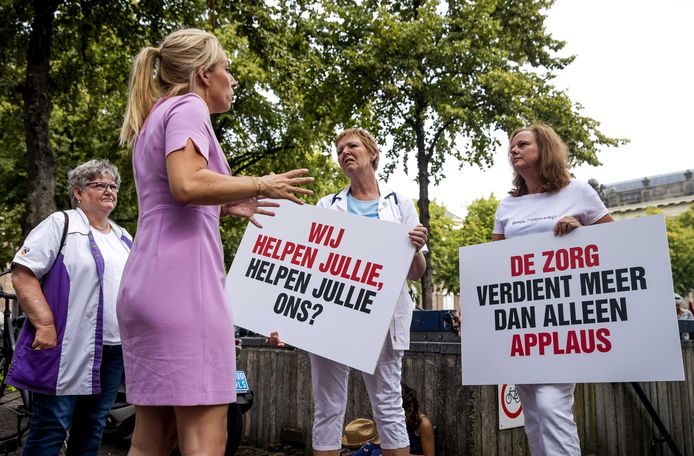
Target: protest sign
[326,280]
[595,305]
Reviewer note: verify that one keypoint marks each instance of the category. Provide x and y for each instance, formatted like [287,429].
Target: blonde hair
[366,138]
[182,55]
[552,163]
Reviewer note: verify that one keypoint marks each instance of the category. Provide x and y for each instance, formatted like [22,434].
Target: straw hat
[359,432]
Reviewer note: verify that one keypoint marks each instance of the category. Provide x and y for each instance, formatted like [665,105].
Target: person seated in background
[683,314]
[361,436]
[419,427]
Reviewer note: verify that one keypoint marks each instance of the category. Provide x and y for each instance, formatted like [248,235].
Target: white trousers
[330,379]
[549,419]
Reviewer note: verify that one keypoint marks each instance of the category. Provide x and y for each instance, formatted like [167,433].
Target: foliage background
[436,79]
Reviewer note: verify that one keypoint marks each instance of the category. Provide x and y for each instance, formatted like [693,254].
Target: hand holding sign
[419,236]
[274,339]
[567,224]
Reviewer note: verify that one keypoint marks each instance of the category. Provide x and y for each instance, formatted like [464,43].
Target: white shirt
[75,295]
[539,212]
[393,207]
[115,255]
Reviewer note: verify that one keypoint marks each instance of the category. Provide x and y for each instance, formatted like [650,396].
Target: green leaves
[440,79]
[680,234]
[448,234]
[433,79]
[272,127]
[427,73]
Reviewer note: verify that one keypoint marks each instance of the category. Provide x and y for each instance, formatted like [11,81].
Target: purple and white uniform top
[74,284]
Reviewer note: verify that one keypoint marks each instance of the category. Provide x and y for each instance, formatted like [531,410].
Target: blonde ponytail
[181,56]
[142,94]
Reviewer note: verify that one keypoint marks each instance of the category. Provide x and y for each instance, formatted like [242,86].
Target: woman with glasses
[178,332]
[66,276]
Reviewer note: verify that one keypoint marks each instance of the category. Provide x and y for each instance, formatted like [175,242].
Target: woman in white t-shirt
[545,199]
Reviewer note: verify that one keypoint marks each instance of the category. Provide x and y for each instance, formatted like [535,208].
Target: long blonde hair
[553,160]
[182,55]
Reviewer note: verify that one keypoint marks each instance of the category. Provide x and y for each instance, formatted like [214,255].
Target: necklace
[104,230]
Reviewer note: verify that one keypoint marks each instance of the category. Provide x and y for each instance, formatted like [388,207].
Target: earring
[79,201]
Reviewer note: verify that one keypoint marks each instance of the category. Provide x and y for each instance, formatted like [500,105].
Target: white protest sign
[328,281]
[510,408]
[595,305]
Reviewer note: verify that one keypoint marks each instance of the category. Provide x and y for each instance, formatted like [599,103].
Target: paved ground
[8,427]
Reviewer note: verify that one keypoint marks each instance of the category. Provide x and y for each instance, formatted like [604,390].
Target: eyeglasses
[102,186]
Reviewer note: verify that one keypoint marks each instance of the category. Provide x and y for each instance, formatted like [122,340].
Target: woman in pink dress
[176,327]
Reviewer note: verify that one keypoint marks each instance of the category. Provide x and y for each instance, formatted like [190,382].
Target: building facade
[671,193]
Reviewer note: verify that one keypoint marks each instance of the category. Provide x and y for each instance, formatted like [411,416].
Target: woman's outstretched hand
[248,208]
[286,185]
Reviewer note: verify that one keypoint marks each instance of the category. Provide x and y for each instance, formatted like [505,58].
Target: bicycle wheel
[14,402]
[3,373]
[4,368]
[234,429]
[12,409]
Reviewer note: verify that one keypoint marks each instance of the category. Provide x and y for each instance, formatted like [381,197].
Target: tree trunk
[213,15]
[423,203]
[427,279]
[37,112]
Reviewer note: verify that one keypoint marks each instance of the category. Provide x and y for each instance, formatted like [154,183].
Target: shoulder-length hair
[553,161]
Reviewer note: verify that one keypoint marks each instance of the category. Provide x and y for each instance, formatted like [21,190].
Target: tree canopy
[447,237]
[435,80]
[440,79]
[91,47]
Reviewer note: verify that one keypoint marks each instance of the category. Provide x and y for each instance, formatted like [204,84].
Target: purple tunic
[175,324]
